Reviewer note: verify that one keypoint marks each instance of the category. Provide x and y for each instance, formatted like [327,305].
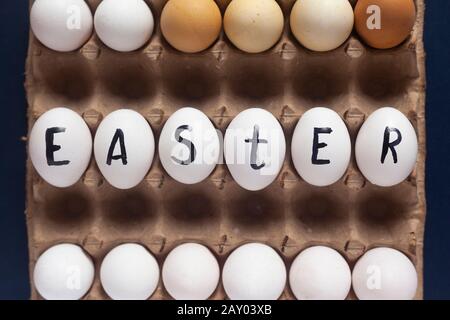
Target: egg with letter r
[321,147]
[386,147]
[60,147]
[189,146]
[255,148]
[124,147]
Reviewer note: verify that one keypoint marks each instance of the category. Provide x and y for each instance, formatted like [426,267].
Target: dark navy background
[13,241]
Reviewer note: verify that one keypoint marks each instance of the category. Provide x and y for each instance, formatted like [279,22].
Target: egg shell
[138,148]
[189,135]
[320,273]
[129,272]
[240,141]
[191,26]
[63,272]
[254,271]
[322,25]
[65,135]
[370,144]
[384,274]
[124,25]
[253,25]
[63,25]
[190,272]
[384,24]
[310,159]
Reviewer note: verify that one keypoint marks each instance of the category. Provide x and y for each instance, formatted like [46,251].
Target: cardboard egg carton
[351,216]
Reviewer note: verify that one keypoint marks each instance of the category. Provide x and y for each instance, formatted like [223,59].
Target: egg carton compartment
[350,216]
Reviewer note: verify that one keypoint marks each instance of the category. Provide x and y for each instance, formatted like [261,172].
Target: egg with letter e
[60,147]
[254,148]
[189,146]
[386,147]
[124,147]
[321,147]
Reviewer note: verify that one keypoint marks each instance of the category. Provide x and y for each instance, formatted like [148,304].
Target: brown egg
[384,24]
[191,25]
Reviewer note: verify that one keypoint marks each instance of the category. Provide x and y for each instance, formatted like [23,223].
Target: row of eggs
[253,271]
[254,147]
[251,25]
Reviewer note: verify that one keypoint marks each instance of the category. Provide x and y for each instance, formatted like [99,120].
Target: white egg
[322,25]
[129,272]
[321,147]
[60,147]
[189,146]
[124,25]
[384,274]
[190,272]
[254,148]
[63,272]
[320,273]
[63,25]
[386,147]
[254,271]
[124,147]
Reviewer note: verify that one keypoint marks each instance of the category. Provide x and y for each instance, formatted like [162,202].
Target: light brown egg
[191,25]
[253,25]
[384,24]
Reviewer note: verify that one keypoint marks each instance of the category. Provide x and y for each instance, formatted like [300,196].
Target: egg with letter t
[124,147]
[386,147]
[254,148]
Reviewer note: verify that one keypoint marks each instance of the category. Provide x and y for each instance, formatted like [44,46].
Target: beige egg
[322,25]
[253,25]
[191,26]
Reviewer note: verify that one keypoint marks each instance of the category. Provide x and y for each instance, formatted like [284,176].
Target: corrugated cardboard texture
[351,216]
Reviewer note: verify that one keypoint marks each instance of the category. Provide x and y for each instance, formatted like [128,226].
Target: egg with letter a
[60,147]
[255,148]
[321,147]
[189,146]
[386,147]
[124,147]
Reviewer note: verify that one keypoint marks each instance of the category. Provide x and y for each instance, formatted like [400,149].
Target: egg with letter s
[255,148]
[60,147]
[124,147]
[189,146]
[386,147]
[321,147]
